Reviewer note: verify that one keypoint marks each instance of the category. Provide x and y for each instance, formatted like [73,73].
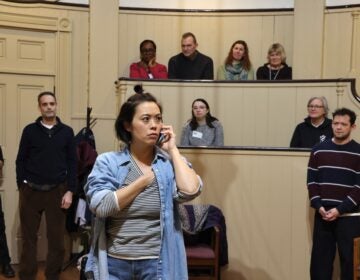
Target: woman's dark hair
[146,42]
[245,60]
[127,112]
[209,118]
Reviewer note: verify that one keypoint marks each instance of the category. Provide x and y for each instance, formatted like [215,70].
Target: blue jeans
[132,269]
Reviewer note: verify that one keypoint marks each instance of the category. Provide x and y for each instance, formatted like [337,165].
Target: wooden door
[18,107]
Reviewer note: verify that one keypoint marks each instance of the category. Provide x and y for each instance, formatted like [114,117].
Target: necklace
[271,73]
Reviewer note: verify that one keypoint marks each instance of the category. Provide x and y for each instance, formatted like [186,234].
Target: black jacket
[306,135]
[263,73]
[47,156]
[201,67]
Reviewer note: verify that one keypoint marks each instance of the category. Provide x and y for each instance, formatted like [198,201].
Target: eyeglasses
[315,106]
[147,50]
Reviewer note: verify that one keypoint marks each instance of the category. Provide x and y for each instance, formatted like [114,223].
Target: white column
[308,39]
[103,69]
[103,57]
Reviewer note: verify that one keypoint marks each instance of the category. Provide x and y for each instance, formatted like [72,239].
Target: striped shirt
[134,232]
[333,177]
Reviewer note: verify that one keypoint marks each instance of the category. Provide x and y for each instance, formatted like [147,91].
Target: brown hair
[245,60]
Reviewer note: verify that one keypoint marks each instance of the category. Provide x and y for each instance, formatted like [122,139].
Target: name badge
[197,134]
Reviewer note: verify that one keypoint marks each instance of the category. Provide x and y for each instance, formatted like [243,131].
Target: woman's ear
[127,126]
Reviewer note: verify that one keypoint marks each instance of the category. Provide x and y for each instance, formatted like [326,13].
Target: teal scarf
[235,72]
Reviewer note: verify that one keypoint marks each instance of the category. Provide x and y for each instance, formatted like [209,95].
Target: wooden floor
[71,273]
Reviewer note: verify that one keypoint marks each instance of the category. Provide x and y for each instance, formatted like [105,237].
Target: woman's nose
[154,123]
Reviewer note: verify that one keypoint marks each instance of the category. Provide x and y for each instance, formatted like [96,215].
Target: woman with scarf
[237,65]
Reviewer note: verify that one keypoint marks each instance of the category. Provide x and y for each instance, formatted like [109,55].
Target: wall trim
[352,82]
[35,22]
[54,2]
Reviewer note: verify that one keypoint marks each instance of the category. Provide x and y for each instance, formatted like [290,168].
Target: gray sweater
[203,135]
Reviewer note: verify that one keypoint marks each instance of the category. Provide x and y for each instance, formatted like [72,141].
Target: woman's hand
[186,179]
[152,62]
[169,141]
[147,177]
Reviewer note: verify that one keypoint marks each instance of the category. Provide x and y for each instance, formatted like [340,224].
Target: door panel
[18,104]
[27,51]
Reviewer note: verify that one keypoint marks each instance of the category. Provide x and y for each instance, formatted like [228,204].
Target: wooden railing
[253,113]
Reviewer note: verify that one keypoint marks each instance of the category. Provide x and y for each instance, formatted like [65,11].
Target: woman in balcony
[276,67]
[147,67]
[202,129]
[237,65]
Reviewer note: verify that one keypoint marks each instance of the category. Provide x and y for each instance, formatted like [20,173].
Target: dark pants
[32,204]
[327,235]
[4,251]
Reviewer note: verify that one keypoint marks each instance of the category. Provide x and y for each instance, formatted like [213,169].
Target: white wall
[214,4]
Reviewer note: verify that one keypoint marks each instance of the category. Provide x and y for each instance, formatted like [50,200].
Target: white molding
[213,4]
[35,22]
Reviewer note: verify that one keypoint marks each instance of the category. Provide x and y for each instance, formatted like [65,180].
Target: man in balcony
[190,64]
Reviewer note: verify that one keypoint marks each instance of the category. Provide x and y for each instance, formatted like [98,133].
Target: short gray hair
[323,101]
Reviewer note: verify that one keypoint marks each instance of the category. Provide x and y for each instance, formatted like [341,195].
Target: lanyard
[270,72]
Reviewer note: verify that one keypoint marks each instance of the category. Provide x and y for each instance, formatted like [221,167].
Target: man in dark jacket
[190,64]
[46,178]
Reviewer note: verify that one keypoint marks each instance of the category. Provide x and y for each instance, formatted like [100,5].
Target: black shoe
[8,271]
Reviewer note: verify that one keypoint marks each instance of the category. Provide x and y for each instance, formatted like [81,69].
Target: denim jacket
[108,174]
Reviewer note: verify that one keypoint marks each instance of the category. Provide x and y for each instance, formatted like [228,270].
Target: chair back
[357,258]
[205,240]
[203,256]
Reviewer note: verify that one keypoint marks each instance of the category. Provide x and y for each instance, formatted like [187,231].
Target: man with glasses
[190,64]
[333,182]
[316,127]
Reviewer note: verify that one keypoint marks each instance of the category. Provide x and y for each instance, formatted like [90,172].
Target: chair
[205,240]
[202,254]
[357,258]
